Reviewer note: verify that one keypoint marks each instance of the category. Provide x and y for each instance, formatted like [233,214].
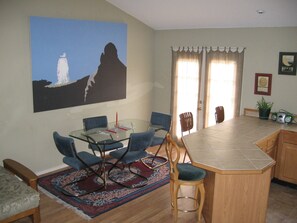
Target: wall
[27,136]
[261,56]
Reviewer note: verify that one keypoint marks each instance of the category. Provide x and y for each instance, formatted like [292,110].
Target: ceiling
[193,14]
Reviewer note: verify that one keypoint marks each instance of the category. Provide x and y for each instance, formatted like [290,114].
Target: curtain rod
[208,48]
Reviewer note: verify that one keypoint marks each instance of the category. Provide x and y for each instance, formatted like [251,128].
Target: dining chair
[79,161]
[163,120]
[100,122]
[184,174]
[186,124]
[136,149]
[219,114]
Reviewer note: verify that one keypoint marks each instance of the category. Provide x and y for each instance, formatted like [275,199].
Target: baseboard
[284,183]
[40,173]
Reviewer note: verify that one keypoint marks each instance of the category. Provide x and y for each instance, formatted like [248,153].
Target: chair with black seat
[219,114]
[163,120]
[79,161]
[100,122]
[136,149]
[184,174]
[186,124]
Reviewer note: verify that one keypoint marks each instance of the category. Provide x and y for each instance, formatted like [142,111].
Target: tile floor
[282,204]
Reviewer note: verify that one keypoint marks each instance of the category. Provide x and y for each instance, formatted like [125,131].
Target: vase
[264,113]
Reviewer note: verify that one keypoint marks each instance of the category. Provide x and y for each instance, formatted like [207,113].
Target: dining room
[27,133]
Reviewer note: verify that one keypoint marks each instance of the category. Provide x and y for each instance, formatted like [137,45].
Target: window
[187,84]
[222,86]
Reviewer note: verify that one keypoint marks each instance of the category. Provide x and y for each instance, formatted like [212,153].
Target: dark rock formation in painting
[49,98]
[110,80]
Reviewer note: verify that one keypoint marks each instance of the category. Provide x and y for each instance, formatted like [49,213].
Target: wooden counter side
[236,198]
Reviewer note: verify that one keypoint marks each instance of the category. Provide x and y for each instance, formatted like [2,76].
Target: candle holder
[117,120]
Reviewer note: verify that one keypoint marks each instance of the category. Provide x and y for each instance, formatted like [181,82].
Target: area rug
[99,202]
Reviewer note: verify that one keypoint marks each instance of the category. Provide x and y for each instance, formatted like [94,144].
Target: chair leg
[65,192]
[36,216]
[175,196]
[171,192]
[196,197]
[139,175]
[123,185]
[165,160]
[201,202]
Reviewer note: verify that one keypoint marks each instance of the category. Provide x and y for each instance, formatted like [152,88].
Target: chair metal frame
[161,119]
[88,169]
[131,147]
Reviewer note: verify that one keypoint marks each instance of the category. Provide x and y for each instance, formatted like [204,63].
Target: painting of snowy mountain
[77,62]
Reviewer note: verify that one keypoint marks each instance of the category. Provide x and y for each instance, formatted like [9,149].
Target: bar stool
[187,175]
[220,114]
[186,125]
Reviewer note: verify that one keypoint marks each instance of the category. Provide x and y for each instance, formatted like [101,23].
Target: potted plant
[264,108]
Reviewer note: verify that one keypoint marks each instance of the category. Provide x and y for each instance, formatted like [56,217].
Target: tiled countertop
[230,147]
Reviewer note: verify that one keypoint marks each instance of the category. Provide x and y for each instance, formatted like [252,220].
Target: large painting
[77,62]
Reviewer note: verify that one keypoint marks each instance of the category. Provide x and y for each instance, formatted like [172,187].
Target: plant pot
[264,113]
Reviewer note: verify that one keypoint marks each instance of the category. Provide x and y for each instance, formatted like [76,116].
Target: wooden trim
[233,172]
[250,112]
[21,171]
[34,212]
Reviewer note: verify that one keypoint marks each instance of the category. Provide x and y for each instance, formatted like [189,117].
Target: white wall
[27,136]
[261,56]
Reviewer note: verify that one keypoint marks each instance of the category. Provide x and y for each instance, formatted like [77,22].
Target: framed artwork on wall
[263,84]
[287,63]
[77,62]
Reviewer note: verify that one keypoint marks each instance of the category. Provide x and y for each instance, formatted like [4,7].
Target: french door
[188,93]
[201,84]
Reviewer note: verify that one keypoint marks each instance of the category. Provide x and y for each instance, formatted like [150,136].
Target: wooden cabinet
[286,168]
[269,145]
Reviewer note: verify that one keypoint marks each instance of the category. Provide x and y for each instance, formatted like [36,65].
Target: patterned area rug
[96,203]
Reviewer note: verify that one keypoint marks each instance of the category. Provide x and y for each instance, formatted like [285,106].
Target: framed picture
[263,84]
[287,63]
[77,62]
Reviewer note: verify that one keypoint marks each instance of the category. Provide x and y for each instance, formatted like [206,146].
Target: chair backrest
[141,140]
[186,121]
[95,122]
[161,119]
[65,145]
[220,114]
[173,154]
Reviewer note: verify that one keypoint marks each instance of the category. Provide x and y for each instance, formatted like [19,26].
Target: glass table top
[116,133]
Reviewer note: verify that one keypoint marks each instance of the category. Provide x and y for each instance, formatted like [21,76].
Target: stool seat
[189,172]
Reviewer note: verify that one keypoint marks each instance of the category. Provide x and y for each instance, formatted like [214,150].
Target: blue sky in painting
[83,42]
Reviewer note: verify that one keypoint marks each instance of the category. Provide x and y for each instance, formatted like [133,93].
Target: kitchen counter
[230,147]
[238,171]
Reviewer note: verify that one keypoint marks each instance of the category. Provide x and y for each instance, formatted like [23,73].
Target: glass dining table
[113,133]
